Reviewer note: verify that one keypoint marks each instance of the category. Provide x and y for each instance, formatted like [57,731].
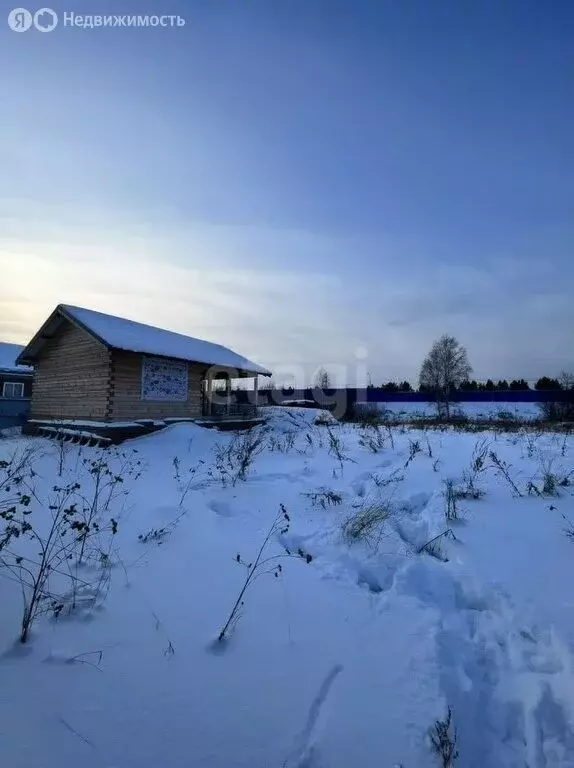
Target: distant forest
[520,385]
[545,383]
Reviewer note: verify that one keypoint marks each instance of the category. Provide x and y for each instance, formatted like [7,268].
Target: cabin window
[164,380]
[14,389]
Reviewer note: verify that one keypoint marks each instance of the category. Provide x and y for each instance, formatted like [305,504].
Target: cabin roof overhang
[19,372]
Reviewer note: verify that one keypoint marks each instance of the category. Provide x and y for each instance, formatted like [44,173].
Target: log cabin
[94,367]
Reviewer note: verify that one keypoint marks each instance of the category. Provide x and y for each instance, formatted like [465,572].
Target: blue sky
[312,183]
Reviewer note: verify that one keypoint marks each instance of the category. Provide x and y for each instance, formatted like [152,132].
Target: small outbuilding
[89,366]
[15,386]
[15,380]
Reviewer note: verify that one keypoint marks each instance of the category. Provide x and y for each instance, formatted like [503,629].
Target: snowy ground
[473,411]
[342,661]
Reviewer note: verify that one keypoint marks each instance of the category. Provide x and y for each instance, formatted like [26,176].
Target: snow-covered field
[473,411]
[360,643]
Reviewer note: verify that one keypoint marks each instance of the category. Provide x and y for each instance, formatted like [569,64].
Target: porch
[219,402]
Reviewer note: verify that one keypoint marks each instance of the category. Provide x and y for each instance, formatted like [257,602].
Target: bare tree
[446,366]
[566,379]
[322,379]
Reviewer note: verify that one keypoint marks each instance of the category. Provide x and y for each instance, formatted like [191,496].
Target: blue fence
[351,395]
[13,411]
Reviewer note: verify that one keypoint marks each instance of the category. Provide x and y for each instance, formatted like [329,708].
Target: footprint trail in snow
[304,753]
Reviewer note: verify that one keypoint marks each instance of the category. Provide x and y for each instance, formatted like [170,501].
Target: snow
[473,411]
[8,355]
[346,660]
[82,423]
[120,333]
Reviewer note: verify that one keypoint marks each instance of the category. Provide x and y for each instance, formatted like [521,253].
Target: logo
[20,20]
[45,20]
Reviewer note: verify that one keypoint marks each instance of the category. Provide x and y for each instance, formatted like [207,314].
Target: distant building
[96,367]
[15,386]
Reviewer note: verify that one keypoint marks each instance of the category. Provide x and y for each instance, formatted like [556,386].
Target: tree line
[544,383]
[445,370]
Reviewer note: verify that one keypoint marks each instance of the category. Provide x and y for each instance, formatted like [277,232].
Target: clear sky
[307,181]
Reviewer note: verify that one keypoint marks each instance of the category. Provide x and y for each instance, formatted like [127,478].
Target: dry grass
[366,522]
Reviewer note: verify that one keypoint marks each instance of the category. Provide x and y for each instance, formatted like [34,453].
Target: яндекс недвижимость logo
[46,19]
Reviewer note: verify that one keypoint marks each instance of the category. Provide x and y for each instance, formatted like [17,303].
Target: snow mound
[181,439]
[288,419]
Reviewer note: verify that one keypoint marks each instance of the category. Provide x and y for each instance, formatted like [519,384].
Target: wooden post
[209,393]
[256,391]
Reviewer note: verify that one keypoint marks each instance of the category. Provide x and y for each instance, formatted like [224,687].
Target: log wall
[71,377]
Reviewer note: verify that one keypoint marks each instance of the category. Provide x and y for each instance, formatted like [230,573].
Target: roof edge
[29,355]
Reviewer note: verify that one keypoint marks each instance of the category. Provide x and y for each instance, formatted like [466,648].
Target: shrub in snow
[324,497]
[308,446]
[531,442]
[433,547]
[550,480]
[373,440]
[101,492]
[470,489]
[568,528]
[261,566]
[414,449]
[233,461]
[366,523]
[443,739]
[383,482]
[185,478]
[337,449]
[157,534]
[451,497]
[44,550]
[281,443]
[503,469]
[560,411]
[62,449]
[66,535]
[169,650]
[391,437]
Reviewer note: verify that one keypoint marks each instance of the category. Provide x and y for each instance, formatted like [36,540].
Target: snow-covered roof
[128,335]
[8,355]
